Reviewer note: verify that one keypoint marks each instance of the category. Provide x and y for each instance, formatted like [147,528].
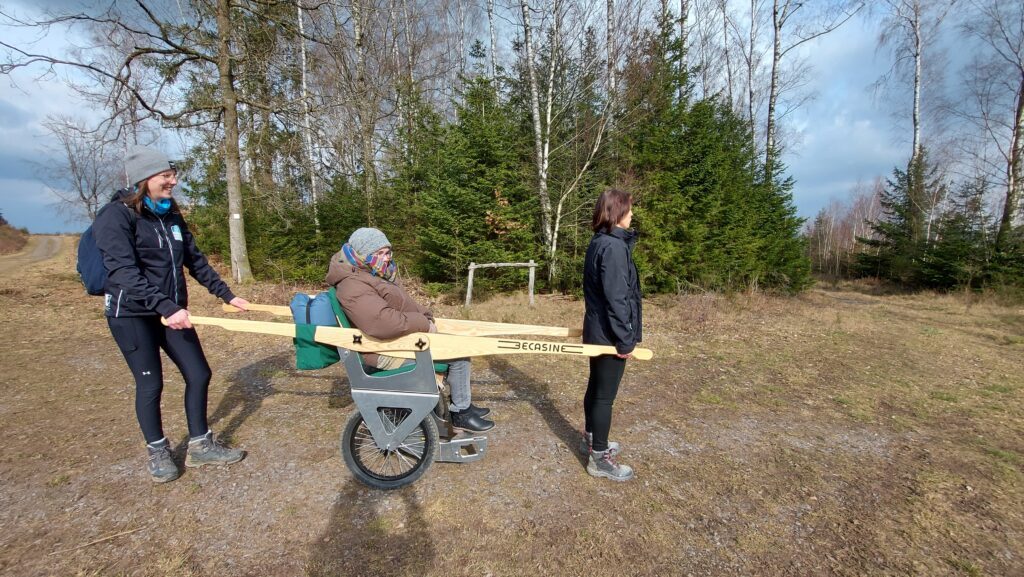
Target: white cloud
[848,137]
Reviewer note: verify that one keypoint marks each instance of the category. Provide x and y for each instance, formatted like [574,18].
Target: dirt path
[39,247]
[836,433]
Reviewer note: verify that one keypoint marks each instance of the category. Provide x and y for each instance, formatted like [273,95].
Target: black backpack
[90,260]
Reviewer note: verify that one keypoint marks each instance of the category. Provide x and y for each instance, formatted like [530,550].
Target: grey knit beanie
[367,241]
[143,162]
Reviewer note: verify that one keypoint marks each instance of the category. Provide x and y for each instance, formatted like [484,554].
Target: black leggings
[605,375]
[140,340]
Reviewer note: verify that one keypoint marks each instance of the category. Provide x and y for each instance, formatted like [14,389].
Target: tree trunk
[684,12]
[684,9]
[917,81]
[611,47]
[917,192]
[728,58]
[494,41]
[461,15]
[366,124]
[540,155]
[307,131]
[773,89]
[750,63]
[236,223]
[1014,172]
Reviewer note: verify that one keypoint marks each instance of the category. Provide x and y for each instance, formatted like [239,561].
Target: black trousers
[602,386]
[140,340]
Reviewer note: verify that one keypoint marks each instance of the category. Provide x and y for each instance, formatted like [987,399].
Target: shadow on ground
[538,394]
[252,384]
[371,532]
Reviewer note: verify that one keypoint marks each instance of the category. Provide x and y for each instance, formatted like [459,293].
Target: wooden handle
[450,326]
[442,347]
[351,339]
[488,329]
[275,309]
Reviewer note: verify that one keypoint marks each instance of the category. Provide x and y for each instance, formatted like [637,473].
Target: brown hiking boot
[208,450]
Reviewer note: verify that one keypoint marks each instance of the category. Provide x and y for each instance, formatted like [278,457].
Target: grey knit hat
[367,241]
[143,162]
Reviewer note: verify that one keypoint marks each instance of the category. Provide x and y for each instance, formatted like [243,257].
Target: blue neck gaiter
[158,208]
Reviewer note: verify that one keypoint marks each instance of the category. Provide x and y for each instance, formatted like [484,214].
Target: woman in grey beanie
[363,275]
[146,245]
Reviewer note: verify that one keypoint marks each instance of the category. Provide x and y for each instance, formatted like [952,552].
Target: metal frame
[415,390]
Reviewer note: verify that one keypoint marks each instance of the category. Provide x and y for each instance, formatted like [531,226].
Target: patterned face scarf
[373,265]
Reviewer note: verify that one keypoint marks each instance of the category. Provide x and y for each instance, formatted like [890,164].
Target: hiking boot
[469,421]
[587,445]
[208,450]
[478,411]
[602,464]
[161,466]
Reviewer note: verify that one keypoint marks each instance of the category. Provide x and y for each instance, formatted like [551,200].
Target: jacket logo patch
[176,232]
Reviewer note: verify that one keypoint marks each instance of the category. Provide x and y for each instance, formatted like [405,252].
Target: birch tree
[790,32]
[558,132]
[995,80]
[909,28]
[307,131]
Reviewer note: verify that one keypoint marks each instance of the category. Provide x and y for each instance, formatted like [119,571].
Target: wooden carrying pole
[442,346]
[450,326]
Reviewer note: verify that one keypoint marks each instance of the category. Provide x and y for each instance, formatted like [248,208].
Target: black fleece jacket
[611,291]
[144,255]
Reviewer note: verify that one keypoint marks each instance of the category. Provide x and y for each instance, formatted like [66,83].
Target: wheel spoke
[393,465]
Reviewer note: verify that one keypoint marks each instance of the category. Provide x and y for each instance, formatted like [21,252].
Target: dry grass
[842,432]
[12,239]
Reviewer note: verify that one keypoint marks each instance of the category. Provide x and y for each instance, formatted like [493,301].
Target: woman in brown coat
[363,275]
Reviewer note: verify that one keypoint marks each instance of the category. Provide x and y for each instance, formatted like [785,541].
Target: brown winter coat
[381,309]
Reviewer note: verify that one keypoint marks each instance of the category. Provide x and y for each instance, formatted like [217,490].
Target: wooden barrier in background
[473,266]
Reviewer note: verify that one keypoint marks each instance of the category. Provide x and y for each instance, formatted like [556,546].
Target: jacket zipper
[170,249]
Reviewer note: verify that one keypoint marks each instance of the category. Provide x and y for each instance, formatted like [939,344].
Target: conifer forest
[483,131]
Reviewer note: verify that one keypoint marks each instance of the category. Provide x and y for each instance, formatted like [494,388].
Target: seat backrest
[343,321]
[338,311]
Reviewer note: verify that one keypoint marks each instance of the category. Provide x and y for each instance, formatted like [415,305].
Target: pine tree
[902,233]
[474,206]
[964,242]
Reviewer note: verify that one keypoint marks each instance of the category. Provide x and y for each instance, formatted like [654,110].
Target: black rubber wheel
[388,469]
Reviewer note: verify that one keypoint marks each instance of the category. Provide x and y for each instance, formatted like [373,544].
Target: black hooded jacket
[144,255]
[611,290]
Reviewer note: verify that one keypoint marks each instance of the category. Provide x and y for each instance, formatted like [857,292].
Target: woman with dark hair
[145,244]
[611,291]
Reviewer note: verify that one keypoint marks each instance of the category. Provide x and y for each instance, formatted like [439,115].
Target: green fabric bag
[309,312]
[309,354]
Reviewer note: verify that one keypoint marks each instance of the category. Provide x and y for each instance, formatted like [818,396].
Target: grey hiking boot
[208,450]
[161,466]
[602,464]
[587,444]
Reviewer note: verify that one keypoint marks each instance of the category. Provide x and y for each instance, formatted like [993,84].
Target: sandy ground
[39,247]
[836,433]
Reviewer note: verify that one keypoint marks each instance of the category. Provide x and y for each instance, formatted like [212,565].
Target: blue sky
[844,136]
